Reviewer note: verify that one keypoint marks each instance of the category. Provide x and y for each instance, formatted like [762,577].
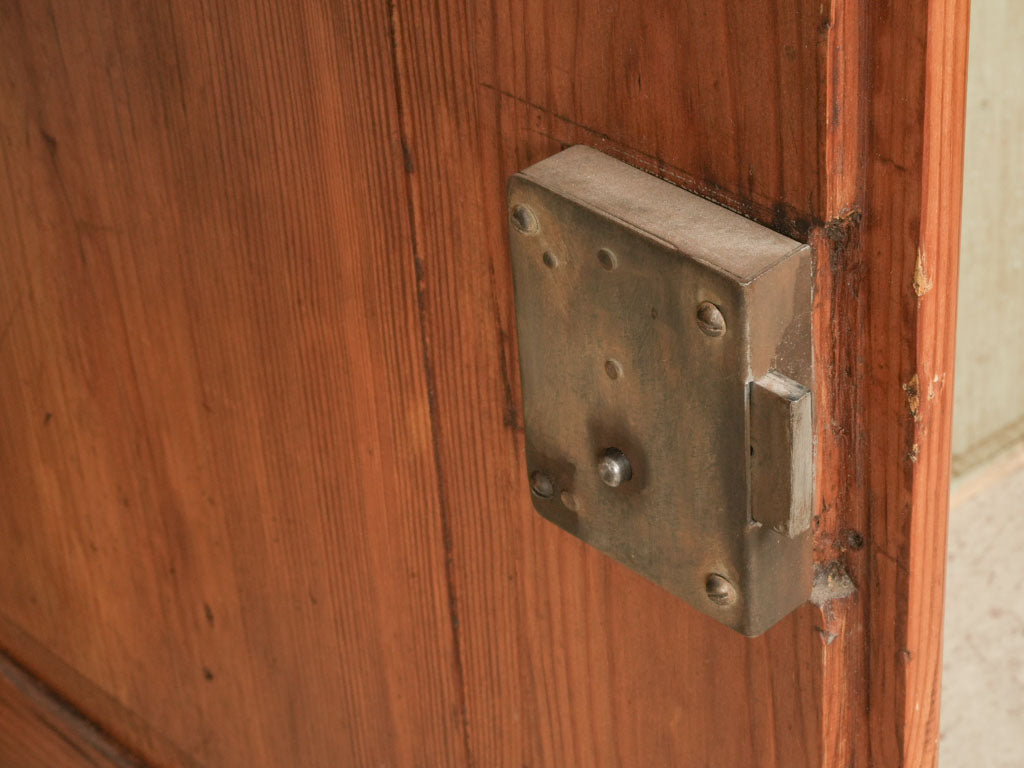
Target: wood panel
[569,658]
[268,500]
[886,309]
[218,472]
[38,730]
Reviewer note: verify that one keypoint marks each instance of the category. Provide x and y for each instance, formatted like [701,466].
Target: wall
[983,672]
[989,400]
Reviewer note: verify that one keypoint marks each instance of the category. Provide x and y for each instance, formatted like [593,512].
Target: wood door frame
[885,320]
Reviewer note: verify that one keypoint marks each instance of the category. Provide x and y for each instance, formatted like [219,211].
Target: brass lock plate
[665,354]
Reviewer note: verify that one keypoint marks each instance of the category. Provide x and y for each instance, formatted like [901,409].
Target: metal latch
[665,353]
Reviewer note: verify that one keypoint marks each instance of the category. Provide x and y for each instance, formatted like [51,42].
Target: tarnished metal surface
[645,314]
[780,454]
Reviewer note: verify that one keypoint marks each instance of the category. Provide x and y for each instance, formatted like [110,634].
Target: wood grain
[267,500]
[569,658]
[886,309]
[223,505]
[39,730]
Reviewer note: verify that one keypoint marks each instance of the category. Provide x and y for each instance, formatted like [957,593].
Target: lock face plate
[647,317]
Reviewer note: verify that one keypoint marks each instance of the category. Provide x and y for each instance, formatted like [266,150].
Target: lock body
[665,355]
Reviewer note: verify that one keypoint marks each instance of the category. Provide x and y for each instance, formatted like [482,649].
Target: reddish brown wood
[886,311]
[218,472]
[267,497]
[570,659]
[39,730]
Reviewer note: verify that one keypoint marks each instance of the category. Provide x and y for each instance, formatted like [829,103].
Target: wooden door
[263,494]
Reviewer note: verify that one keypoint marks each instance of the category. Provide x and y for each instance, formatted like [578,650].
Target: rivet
[569,501]
[541,485]
[550,260]
[613,369]
[710,319]
[614,468]
[608,259]
[719,590]
[524,219]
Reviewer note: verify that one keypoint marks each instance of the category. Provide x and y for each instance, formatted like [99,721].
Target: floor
[983,669]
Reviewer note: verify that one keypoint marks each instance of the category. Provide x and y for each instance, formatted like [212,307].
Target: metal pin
[614,468]
[541,485]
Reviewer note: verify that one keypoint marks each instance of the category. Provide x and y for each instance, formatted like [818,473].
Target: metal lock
[665,353]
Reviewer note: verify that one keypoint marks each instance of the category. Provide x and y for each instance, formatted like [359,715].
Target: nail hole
[608,259]
[613,369]
[550,260]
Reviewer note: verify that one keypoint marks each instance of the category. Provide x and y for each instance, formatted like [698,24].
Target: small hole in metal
[608,259]
[613,369]
[550,260]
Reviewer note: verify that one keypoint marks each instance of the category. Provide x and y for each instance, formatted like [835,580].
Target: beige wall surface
[989,408]
[983,662]
[983,670]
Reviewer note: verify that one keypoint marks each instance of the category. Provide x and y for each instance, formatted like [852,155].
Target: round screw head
[541,485]
[524,219]
[710,319]
[614,468]
[720,590]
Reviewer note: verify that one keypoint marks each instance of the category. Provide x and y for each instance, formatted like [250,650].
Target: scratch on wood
[922,283]
[841,231]
[913,390]
[787,219]
[831,582]
[900,565]
[840,228]
[826,636]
